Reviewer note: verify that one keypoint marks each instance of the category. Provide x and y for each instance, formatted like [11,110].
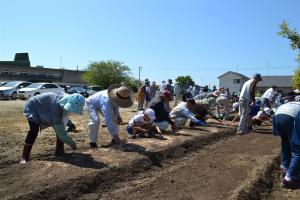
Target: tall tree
[294,38]
[105,73]
[185,80]
[292,35]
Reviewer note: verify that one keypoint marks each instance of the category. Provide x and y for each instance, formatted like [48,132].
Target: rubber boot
[59,151]
[26,153]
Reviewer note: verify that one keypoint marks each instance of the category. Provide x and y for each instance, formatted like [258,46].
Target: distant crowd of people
[156,114]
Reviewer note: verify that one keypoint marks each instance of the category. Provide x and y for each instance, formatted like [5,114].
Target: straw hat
[120,95]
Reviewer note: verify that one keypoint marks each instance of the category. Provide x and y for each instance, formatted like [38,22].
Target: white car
[38,88]
[9,90]
[93,89]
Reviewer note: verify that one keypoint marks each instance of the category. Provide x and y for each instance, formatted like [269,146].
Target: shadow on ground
[79,159]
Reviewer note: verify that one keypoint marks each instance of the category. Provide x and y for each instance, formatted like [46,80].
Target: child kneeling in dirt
[142,123]
[262,116]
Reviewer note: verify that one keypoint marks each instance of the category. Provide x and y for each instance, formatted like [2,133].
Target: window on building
[34,74]
[53,75]
[236,81]
[5,73]
[23,73]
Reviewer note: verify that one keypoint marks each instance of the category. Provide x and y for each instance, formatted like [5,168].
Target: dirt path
[216,172]
[190,165]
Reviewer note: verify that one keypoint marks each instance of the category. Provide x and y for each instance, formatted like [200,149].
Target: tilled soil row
[237,168]
[106,178]
[261,184]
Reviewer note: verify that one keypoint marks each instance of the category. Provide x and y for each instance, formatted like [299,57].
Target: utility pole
[140,68]
[60,68]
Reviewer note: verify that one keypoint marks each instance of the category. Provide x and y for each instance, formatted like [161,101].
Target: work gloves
[200,123]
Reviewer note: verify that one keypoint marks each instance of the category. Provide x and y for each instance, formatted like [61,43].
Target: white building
[283,83]
[232,80]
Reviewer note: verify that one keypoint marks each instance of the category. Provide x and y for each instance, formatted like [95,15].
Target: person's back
[178,110]
[290,108]
[46,116]
[269,93]
[138,120]
[157,104]
[245,93]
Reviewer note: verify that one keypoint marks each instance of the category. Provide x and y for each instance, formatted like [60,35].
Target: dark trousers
[32,133]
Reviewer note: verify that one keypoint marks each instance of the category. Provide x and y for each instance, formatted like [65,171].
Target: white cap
[268,110]
[150,113]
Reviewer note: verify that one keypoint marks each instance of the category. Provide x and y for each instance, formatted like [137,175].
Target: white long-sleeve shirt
[246,90]
[100,101]
[182,111]
[290,108]
[269,94]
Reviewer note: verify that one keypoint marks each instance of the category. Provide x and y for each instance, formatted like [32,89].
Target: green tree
[294,38]
[292,35]
[105,73]
[133,83]
[185,80]
[296,79]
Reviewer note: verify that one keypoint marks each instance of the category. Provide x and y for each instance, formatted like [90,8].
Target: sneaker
[93,145]
[290,184]
[282,172]
[242,133]
[173,132]
[113,141]
[132,137]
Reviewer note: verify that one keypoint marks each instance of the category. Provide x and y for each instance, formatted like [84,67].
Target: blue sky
[167,38]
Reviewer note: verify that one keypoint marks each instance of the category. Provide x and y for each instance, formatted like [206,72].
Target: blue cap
[257,76]
[73,103]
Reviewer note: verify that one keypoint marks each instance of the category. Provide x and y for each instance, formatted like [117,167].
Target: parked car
[38,88]
[9,90]
[78,90]
[2,83]
[93,89]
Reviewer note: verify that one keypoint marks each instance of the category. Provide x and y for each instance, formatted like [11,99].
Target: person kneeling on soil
[181,113]
[142,123]
[51,109]
[286,124]
[162,118]
[262,116]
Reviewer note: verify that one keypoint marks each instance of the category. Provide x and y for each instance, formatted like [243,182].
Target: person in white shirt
[268,97]
[107,103]
[286,124]
[262,116]
[181,113]
[177,93]
[142,123]
[223,101]
[246,99]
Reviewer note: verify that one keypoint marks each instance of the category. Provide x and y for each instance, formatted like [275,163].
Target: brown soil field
[209,162]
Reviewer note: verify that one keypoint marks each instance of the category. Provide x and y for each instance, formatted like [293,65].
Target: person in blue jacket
[286,124]
[51,109]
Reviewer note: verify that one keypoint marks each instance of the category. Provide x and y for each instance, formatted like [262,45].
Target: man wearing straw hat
[107,103]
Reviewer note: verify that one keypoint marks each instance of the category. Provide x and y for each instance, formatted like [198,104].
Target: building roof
[279,81]
[235,73]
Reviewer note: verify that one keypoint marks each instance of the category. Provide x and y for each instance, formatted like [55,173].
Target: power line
[239,68]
